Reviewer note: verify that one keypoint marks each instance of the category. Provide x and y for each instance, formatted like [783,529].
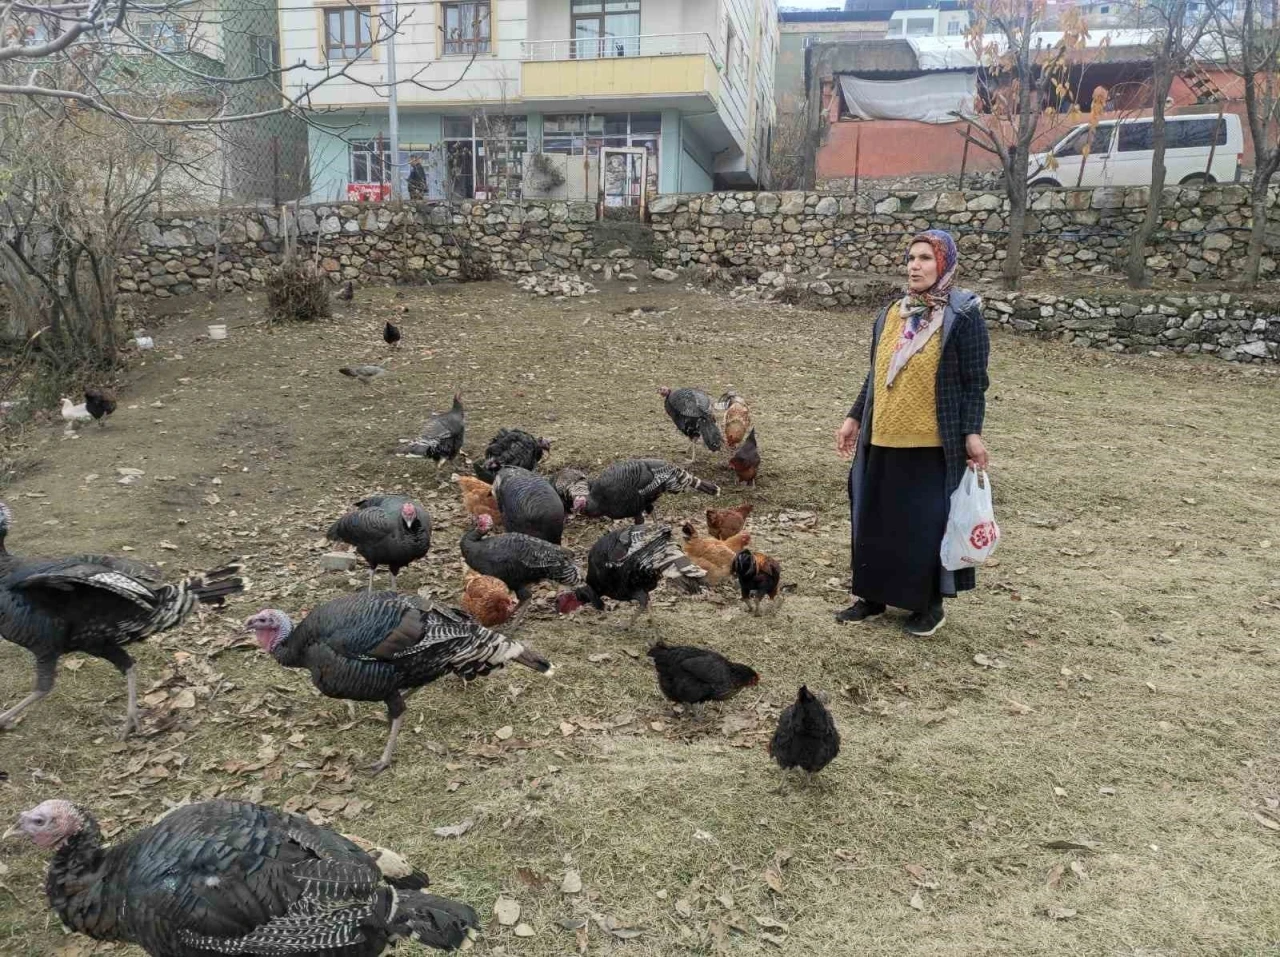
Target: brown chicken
[712,555]
[737,418]
[746,461]
[759,577]
[726,522]
[488,600]
[477,498]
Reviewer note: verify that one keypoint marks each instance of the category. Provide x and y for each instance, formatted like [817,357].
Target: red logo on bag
[984,535]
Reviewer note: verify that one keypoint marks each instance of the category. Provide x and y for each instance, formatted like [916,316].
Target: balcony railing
[598,48]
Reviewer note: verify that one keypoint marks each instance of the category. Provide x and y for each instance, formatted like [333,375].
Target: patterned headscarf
[922,312]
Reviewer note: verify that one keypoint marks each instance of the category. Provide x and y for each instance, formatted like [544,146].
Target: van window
[1186,134]
[1135,136]
[1074,143]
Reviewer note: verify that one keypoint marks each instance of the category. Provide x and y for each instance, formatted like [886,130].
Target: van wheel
[1197,179]
[1045,184]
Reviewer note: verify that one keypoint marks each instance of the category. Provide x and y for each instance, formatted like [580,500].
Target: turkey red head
[567,602]
[484,523]
[49,823]
[544,444]
[579,504]
[409,513]
[664,391]
[270,627]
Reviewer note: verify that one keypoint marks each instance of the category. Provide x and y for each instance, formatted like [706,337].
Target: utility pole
[389,21]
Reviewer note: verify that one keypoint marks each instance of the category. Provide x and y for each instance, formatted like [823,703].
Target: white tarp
[933,98]
[956,52]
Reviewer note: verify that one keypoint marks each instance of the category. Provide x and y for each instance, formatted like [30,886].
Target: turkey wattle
[386,530]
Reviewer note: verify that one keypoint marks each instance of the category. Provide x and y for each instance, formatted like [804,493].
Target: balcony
[674,64]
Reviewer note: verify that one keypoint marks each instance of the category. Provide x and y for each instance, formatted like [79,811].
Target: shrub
[297,292]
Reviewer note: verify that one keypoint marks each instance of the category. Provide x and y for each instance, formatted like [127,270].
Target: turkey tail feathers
[710,433]
[435,921]
[531,659]
[213,587]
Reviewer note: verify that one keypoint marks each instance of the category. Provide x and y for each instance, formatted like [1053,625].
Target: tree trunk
[1017,189]
[1257,235]
[1136,269]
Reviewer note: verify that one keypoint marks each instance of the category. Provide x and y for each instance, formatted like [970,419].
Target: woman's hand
[847,438]
[976,450]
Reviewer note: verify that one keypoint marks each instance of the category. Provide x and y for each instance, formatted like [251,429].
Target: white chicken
[75,415]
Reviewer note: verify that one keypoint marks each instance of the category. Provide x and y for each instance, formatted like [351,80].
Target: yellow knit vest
[906,415]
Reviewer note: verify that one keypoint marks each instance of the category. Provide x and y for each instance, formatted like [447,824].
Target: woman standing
[916,426]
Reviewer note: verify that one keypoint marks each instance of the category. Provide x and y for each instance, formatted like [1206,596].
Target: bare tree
[1177,32]
[791,148]
[1021,78]
[1251,48]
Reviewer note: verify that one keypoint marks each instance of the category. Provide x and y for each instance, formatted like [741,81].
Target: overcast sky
[811,4]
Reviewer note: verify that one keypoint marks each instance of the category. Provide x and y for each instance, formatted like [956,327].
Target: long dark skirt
[902,515]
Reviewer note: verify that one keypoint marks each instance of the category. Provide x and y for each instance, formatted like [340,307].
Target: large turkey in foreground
[373,646]
[441,438]
[386,530]
[690,410]
[511,447]
[629,489]
[627,564]
[94,604]
[229,877]
[529,504]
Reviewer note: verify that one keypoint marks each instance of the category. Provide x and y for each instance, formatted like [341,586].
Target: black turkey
[95,604]
[806,736]
[518,561]
[690,410]
[386,530]
[629,489]
[229,877]
[572,485]
[627,564]
[441,438]
[99,403]
[529,504]
[391,334]
[373,646]
[511,447]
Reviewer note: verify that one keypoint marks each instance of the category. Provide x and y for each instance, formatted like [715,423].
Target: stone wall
[1071,232]
[380,242]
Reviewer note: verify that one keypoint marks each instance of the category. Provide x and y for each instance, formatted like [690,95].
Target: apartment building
[534,97]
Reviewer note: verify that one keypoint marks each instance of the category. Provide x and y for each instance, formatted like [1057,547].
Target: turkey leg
[46,669]
[693,451]
[395,711]
[120,658]
[372,570]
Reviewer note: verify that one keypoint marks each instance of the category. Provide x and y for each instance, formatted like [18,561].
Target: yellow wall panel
[618,76]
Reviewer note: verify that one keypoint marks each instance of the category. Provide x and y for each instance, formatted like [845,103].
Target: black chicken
[441,438]
[690,675]
[806,736]
[746,461]
[391,334]
[347,292]
[629,489]
[373,646]
[93,604]
[690,410]
[572,485]
[386,530]
[99,403]
[529,504]
[511,447]
[229,877]
[627,564]
[518,561]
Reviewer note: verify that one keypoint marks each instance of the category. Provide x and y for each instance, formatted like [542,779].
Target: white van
[1200,148]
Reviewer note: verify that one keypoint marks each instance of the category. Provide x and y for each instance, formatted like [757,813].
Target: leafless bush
[297,292]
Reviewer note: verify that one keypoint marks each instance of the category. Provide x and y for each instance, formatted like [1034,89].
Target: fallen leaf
[986,661]
[1269,823]
[915,870]
[454,830]
[1072,845]
[531,878]
[572,923]
[1055,876]
[184,699]
[508,911]
[567,728]
[1078,870]
[917,901]
[1017,707]
[599,656]
[768,923]
[626,933]
[523,930]
[773,939]
[572,883]
[504,732]
[1060,792]
[684,908]
[1060,913]
[773,877]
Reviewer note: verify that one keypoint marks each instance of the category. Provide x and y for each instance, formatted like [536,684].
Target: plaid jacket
[961,395]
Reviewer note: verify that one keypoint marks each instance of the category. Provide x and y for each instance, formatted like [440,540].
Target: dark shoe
[859,612]
[922,624]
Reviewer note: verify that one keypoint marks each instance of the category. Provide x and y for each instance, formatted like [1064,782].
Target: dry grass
[1136,707]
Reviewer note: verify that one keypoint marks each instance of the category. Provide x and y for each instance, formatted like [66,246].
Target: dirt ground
[1083,761]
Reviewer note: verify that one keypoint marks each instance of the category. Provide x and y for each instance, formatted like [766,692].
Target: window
[1073,143]
[920,26]
[953,28]
[348,32]
[484,157]
[371,161]
[466,28]
[605,28]
[1105,8]
[266,54]
[576,134]
[1192,134]
[1134,137]
[165,37]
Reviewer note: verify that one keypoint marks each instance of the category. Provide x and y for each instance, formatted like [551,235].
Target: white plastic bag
[972,532]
